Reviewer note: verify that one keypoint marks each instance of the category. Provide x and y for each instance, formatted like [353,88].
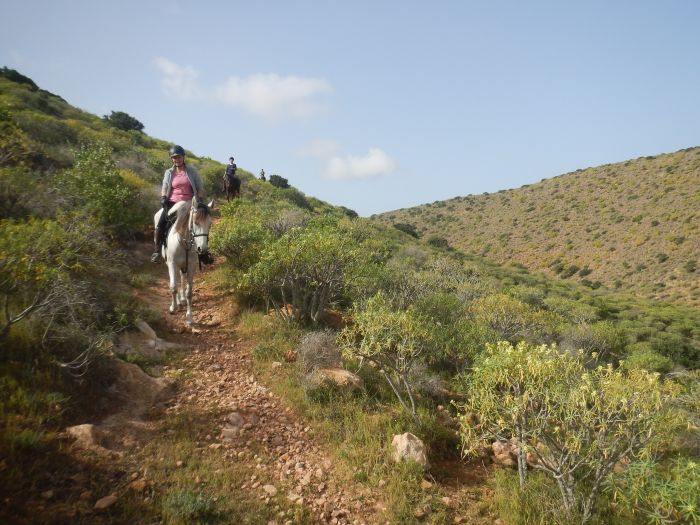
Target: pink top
[182,189]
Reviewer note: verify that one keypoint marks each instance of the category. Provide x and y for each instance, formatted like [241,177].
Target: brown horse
[232,186]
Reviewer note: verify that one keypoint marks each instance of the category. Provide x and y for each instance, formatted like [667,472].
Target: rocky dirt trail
[256,428]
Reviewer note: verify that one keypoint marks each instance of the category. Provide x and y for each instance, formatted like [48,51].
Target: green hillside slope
[633,226]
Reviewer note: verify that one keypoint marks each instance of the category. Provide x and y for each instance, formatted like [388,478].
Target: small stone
[106,502]
[425,484]
[382,483]
[138,485]
[179,463]
[134,475]
[86,495]
[446,501]
[270,490]
[47,494]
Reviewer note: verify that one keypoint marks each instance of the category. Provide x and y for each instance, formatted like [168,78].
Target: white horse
[188,238]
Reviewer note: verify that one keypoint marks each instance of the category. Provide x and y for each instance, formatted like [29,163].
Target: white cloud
[375,164]
[179,81]
[267,95]
[320,149]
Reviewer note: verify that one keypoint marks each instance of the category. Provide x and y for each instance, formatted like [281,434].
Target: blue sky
[379,105]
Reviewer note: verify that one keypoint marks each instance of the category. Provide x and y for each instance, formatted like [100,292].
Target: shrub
[410,229]
[56,269]
[297,198]
[241,234]
[123,121]
[575,311]
[306,269]
[95,185]
[318,350]
[660,493]
[603,341]
[389,339]
[439,242]
[642,356]
[511,319]
[279,182]
[577,424]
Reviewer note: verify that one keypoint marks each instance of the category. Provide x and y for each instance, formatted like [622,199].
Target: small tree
[576,424]
[390,339]
[123,121]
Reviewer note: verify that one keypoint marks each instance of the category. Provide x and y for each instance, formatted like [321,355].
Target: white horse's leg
[188,295]
[172,273]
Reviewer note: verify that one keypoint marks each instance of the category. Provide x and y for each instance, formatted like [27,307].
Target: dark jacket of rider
[192,176]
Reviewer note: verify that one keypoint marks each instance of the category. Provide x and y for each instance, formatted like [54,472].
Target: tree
[576,424]
[279,182]
[123,121]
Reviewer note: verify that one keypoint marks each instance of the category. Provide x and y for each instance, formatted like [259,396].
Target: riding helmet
[177,150]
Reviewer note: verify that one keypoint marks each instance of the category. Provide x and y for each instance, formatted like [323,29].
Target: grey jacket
[192,176]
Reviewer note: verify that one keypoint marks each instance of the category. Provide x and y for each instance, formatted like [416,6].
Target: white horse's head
[200,223]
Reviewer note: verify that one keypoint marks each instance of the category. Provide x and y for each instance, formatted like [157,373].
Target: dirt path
[256,428]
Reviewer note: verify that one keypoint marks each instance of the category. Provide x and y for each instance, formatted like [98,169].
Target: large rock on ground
[338,377]
[407,447]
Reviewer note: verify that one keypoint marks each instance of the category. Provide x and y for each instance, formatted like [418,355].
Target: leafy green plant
[660,493]
[576,424]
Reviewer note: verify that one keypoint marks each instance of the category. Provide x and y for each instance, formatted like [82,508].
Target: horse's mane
[183,215]
[202,213]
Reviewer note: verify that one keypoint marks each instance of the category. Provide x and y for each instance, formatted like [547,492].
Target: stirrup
[155,257]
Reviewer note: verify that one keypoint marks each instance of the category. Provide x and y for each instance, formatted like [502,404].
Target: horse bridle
[193,235]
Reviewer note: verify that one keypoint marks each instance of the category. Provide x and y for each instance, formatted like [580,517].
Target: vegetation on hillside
[591,383]
[633,226]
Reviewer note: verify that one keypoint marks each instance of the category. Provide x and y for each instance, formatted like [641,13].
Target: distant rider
[262,175]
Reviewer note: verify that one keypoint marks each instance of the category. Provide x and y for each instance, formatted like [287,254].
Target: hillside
[320,340]
[633,226]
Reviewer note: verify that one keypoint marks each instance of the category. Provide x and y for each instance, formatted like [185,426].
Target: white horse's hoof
[172,310]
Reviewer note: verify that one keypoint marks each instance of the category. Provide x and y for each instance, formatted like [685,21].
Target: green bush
[577,423]
[95,185]
[410,229]
[123,121]
[660,493]
[642,356]
[514,320]
[393,340]
[603,340]
[279,182]
[307,269]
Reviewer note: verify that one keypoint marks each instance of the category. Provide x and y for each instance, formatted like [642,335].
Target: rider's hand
[163,201]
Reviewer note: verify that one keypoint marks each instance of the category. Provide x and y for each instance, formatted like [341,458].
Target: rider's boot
[158,242]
